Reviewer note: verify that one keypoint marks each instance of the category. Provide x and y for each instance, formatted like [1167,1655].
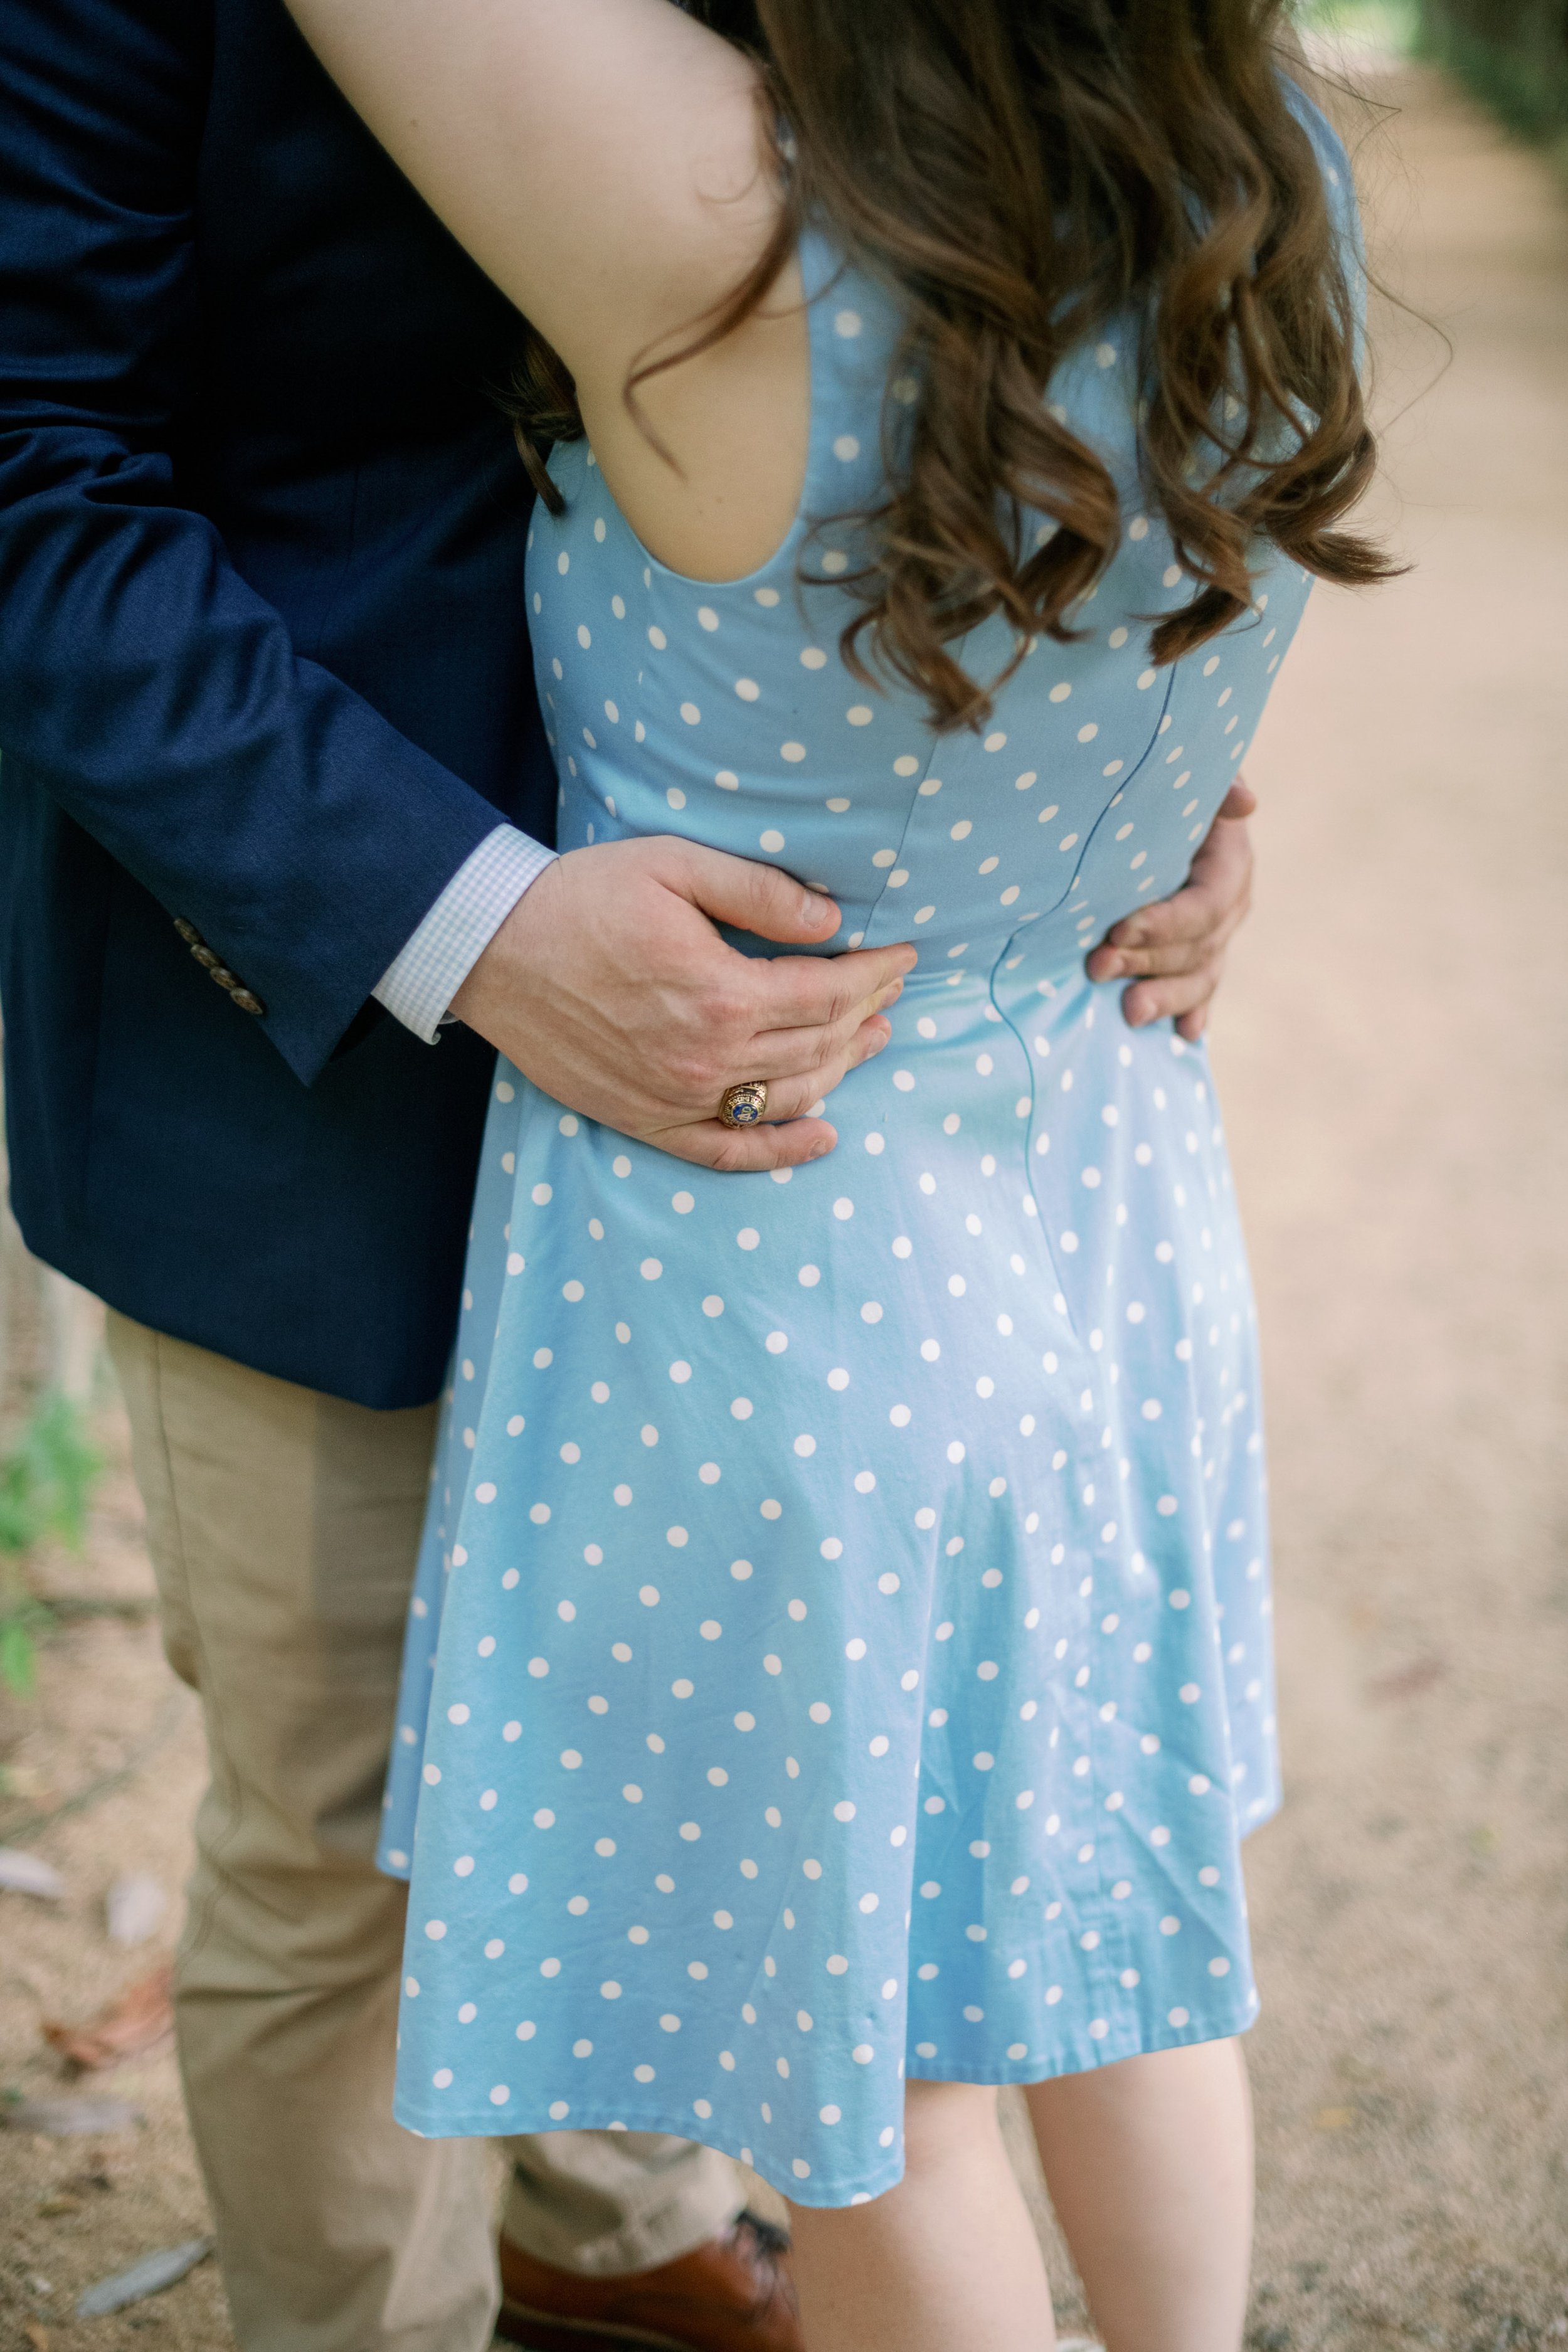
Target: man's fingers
[741,1150]
[1164,999]
[1191,923]
[1241,800]
[818,992]
[788,1134]
[749,896]
[792,1098]
[1187,915]
[797,1097]
[789,1053]
[791,1130]
[1187,953]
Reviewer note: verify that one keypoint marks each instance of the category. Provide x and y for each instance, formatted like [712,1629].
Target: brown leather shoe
[734,2294]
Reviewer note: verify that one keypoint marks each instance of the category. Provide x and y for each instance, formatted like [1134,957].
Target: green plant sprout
[46,1485]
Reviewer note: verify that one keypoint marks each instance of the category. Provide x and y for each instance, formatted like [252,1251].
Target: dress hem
[492,2121]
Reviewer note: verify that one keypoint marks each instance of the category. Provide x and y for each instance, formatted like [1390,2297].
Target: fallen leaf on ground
[151,2275]
[139,2020]
[53,2207]
[72,2118]
[1334,2119]
[135,1905]
[38,2337]
[1407,1682]
[22,1872]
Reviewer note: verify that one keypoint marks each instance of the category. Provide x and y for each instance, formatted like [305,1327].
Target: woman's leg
[1149,2164]
[947,2261]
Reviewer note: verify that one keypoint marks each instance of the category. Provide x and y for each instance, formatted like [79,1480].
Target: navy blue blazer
[264,677]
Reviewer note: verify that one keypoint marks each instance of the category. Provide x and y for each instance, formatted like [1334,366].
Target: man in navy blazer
[275,797]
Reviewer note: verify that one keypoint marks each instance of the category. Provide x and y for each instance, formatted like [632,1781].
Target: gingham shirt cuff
[419,983]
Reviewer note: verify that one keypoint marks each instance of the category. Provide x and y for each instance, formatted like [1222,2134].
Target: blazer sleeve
[157,697]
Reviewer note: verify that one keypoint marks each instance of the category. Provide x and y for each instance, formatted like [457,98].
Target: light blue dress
[841,1643]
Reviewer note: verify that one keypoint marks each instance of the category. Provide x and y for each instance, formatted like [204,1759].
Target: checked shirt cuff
[419,983]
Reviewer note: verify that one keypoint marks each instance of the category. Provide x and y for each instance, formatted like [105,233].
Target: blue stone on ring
[743,1105]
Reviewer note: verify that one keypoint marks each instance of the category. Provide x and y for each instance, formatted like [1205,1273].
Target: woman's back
[722,710]
[867,1541]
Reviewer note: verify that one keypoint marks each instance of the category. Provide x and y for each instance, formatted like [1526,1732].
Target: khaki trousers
[283,1526]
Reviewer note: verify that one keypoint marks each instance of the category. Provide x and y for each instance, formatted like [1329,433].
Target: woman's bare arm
[601,160]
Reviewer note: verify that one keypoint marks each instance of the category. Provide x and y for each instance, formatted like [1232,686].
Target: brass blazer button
[188,932]
[247,1000]
[204,956]
[222,974]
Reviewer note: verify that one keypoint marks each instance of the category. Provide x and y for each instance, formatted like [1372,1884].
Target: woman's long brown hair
[1017,171]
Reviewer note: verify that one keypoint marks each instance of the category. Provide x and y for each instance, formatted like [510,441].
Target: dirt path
[1390,1053]
[1402,1136]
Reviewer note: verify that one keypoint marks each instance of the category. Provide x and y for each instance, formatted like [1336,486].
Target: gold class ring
[744,1104]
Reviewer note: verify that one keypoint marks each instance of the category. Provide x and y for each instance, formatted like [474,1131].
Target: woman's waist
[960,923]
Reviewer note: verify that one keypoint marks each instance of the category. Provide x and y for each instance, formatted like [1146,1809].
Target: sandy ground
[1389,1049]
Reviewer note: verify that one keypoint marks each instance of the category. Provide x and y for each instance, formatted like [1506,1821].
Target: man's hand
[1180,942]
[609,987]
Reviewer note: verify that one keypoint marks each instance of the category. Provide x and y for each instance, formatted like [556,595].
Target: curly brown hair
[1018,171]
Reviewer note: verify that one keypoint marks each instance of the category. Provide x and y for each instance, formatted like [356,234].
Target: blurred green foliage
[1386,24]
[1512,53]
[46,1485]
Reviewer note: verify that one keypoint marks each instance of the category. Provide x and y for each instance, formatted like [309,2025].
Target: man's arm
[162,702]
[156,695]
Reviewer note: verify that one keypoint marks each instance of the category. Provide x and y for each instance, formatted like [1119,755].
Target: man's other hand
[1179,943]
[610,988]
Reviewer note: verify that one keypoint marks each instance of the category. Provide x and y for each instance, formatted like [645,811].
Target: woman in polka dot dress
[839,1674]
